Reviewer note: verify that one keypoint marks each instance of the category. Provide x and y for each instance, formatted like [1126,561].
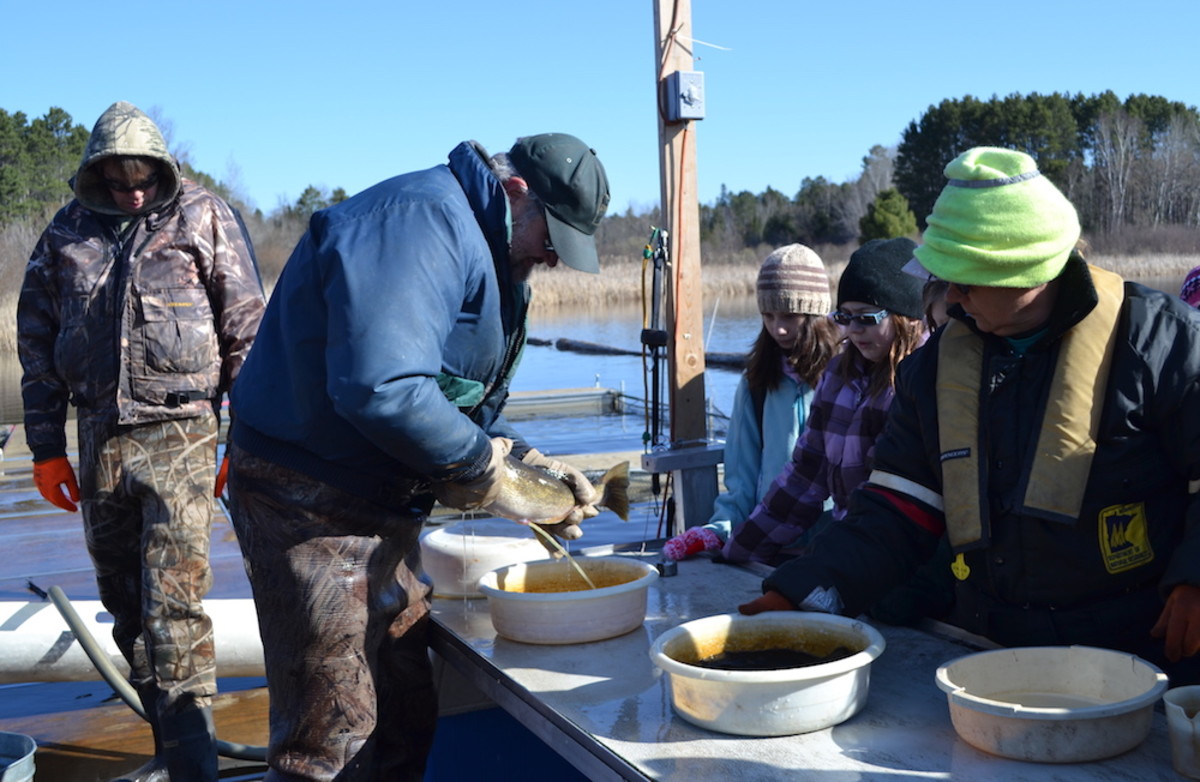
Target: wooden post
[696,483]
[681,216]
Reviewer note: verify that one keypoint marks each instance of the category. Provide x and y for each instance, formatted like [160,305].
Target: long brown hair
[816,343]
[882,374]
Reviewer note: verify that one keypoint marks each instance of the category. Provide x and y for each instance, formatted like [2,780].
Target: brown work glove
[485,488]
[580,486]
[50,476]
[1179,623]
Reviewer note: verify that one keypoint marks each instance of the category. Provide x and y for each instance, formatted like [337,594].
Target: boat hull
[36,645]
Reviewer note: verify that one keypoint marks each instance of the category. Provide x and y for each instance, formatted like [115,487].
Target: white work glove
[580,486]
[485,488]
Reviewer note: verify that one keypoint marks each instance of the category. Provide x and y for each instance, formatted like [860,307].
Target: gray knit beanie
[793,279]
[874,276]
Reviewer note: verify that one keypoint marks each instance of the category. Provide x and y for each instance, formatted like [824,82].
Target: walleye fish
[534,495]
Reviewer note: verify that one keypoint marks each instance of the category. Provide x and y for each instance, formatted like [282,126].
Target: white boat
[37,644]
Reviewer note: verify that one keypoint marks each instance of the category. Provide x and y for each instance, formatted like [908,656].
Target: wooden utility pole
[681,216]
[689,458]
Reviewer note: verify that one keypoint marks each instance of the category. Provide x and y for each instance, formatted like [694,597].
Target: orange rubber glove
[1179,623]
[770,601]
[222,477]
[50,476]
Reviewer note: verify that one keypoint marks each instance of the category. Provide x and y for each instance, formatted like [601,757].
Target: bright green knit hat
[998,222]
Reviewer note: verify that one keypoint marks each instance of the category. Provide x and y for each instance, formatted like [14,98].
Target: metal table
[605,707]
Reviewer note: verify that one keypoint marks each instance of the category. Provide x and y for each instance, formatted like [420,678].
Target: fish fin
[615,490]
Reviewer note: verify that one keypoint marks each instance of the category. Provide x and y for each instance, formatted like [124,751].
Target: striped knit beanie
[793,279]
[998,222]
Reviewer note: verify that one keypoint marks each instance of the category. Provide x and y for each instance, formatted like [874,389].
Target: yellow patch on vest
[1124,540]
[959,568]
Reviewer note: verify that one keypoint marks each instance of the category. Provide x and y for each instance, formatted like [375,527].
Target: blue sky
[273,97]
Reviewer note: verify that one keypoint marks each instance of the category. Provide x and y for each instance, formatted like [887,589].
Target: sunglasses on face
[547,245]
[963,290]
[121,187]
[865,319]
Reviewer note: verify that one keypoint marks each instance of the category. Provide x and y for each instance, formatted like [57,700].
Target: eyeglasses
[547,245]
[121,187]
[865,319]
[963,290]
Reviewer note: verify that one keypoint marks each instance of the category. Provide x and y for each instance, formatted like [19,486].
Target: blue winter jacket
[394,303]
[757,448]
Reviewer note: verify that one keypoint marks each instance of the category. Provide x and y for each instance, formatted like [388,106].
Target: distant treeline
[1131,167]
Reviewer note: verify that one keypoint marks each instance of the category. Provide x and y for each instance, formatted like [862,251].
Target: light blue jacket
[754,455]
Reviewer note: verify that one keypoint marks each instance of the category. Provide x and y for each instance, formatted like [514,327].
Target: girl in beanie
[880,312]
[771,403]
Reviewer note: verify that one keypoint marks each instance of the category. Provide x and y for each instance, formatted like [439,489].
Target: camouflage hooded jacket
[136,318]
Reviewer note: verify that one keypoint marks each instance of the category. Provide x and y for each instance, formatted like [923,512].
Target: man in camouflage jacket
[139,305]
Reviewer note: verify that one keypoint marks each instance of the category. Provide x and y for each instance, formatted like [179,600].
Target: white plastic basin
[768,703]
[457,555]
[522,609]
[1052,704]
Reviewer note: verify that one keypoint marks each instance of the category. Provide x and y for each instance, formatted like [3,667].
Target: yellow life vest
[1057,476]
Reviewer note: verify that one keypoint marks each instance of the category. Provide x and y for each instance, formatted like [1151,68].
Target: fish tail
[615,490]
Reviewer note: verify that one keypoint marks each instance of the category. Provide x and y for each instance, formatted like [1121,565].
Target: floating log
[579,346]
[723,360]
[726,360]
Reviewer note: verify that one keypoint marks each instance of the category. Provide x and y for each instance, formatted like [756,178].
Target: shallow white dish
[776,702]
[1052,704]
[457,555]
[576,616]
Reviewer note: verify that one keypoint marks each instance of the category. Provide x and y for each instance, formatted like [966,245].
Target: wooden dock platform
[84,732]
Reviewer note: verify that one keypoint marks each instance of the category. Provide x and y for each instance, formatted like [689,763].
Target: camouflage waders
[344,621]
[147,510]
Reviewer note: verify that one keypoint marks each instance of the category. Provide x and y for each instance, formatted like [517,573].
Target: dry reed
[623,282]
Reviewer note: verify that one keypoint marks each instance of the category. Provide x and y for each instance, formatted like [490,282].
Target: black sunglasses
[121,187]
[547,245]
[963,290]
[865,319]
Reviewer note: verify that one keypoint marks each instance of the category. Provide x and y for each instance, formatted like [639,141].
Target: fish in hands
[536,495]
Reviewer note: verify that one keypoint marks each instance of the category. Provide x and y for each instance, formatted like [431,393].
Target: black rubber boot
[156,769]
[190,745]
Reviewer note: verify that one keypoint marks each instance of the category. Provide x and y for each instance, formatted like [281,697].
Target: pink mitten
[692,541]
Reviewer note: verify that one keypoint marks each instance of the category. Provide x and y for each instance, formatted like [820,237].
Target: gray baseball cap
[568,178]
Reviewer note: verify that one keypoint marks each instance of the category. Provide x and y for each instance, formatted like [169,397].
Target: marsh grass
[623,280]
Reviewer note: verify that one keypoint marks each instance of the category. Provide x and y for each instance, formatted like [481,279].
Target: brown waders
[344,621]
[147,512]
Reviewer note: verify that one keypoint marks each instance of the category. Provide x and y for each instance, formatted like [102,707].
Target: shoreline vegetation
[621,282]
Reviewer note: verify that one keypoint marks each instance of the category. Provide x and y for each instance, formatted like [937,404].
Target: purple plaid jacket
[831,458]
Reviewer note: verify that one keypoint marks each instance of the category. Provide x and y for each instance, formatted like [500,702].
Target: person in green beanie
[1050,431]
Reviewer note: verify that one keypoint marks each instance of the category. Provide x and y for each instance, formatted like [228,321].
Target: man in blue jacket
[377,382]
[1050,431]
